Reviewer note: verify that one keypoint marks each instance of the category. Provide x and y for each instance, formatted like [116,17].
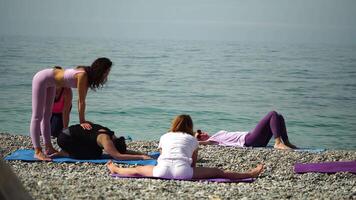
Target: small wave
[147,57]
[228,56]
[109,112]
[192,50]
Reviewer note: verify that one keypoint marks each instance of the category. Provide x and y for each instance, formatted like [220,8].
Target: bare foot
[281,146]
[111,166]
[59,154]
[50,150]
[41,156]
[256,171]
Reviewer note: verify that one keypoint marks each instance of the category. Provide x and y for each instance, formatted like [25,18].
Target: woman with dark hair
[44,86]
[179,153]
[79,143]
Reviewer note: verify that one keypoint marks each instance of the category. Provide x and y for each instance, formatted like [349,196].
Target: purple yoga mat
[326,167]
[218,180]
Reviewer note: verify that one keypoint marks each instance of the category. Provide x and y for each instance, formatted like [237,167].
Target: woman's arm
[82,85]
[68,95]
[194,157]
[105,141]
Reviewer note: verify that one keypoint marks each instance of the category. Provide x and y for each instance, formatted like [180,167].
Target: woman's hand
[86,125]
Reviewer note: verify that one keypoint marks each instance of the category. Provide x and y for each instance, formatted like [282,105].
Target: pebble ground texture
[46,180]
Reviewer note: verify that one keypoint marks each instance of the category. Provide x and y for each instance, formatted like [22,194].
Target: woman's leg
[284,133]
[139,170]
[206,172]
[282,127]
[261,134]
[268,126]
[46,120]
[38,99]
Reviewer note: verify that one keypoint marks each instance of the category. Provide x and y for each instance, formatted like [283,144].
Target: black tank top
[87,139]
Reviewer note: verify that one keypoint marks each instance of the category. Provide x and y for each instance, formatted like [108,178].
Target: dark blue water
[222,85]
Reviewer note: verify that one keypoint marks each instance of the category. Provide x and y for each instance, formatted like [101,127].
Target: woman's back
[177,146]
[80,143]
[176,156]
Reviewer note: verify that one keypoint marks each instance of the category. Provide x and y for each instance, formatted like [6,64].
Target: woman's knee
[276,115]
[280,117]
[273,113]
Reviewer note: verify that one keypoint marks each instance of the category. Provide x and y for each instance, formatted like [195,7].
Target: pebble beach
[47,180]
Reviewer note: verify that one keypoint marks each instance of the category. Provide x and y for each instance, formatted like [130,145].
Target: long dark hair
[97,71]
[182,123]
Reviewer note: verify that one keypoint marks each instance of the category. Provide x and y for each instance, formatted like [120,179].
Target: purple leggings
[272,124]
[43,94]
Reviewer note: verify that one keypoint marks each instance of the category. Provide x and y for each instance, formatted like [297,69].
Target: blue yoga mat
[27,155]
[216,180]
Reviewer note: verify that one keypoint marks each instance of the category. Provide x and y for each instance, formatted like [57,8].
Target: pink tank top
[69,79]
[58,104]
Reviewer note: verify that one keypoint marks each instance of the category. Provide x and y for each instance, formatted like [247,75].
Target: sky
[324,21]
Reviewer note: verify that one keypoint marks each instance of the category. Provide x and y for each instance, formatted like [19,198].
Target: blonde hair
[182,123]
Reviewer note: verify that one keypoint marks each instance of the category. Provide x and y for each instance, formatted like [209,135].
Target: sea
[222,85]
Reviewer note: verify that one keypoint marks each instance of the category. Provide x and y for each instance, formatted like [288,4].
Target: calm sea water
[222,85]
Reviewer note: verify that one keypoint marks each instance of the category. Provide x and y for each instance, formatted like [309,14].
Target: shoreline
[269,145]
[46,180]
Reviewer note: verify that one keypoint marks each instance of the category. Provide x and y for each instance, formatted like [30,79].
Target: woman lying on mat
[179,152]
[77,142]
[271,125]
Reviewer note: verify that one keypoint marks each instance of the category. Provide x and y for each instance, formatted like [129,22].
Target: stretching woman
[44,85]
[272,124]
[179,152]
[77,142]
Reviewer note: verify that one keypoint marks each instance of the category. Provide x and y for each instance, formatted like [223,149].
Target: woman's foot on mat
[50,150]
[281,146]
[41,156]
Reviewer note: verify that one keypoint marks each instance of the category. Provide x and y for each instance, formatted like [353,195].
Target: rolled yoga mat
[326,167]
